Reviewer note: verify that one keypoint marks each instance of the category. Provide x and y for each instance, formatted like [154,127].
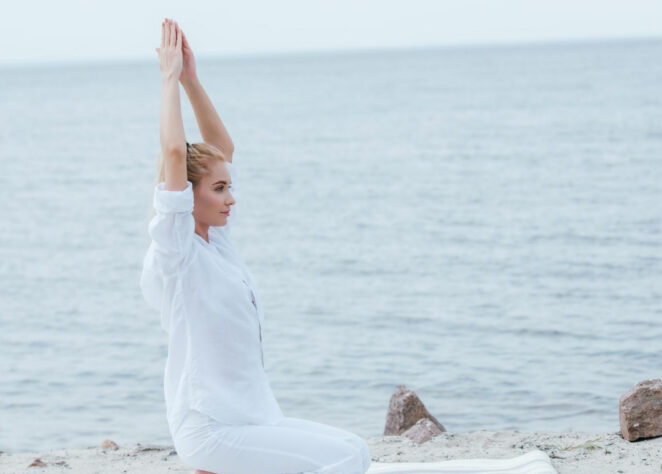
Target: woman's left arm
[211,127]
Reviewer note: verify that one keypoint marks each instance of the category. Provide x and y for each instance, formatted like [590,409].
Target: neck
[202,230]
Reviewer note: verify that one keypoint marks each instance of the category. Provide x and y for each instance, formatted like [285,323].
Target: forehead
[217,172]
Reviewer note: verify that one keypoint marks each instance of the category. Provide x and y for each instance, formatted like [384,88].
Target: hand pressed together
[170,52]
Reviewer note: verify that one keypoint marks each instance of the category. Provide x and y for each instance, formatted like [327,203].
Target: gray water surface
[482,225]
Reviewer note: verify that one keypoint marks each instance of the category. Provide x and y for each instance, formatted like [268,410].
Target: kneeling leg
[269,449]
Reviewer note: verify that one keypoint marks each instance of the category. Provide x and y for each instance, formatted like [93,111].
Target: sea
[481,224]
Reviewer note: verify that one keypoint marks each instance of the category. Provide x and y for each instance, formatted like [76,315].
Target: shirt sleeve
[172,228]
[224,230]
[157,289]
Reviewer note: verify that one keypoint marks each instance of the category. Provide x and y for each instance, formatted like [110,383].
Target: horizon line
[285,53]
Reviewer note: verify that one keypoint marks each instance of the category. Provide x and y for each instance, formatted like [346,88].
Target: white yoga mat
[533,462]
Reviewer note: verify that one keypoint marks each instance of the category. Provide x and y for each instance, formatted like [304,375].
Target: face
[212,197]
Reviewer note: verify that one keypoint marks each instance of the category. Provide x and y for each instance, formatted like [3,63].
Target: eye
[220,188]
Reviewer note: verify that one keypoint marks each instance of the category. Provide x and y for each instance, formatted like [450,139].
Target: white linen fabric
[293,445]
[211,311]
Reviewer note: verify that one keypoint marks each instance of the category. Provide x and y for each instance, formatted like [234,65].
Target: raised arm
[211,127]
[173,140]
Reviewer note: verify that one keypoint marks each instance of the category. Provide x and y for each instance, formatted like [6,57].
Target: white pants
[291,446]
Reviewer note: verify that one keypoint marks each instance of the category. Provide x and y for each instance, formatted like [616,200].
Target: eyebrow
[219,182]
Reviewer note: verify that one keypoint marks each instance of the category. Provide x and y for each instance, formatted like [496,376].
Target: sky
[83,31]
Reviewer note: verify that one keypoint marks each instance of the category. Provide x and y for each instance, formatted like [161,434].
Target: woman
[222,414]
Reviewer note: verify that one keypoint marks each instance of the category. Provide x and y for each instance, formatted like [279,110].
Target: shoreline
[571,452]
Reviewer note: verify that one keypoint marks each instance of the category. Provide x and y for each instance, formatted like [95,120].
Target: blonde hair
[199,157]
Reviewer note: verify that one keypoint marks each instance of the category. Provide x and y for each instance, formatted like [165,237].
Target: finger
[163,34]
[185,41]
[173,38]
[179,37]
[167,34]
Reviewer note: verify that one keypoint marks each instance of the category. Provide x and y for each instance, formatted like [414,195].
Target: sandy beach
[571,452]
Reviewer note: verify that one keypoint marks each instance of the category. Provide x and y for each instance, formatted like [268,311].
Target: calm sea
[481,224]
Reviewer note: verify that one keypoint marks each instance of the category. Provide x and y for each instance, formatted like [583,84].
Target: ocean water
[480,224]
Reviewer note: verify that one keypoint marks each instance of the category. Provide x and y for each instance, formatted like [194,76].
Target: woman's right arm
[172,227]
[173,140]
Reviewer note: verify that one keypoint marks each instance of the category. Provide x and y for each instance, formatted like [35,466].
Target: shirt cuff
[166,201]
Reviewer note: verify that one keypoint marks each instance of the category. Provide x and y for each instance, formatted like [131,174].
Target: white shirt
[211,311]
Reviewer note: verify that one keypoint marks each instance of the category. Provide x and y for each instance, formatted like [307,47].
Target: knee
[353,460]
[362,449]
[365,454]
[196,461]
[186,457]
[189,453]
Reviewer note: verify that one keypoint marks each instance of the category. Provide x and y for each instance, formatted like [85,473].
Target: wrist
[169,78]
[189,81]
